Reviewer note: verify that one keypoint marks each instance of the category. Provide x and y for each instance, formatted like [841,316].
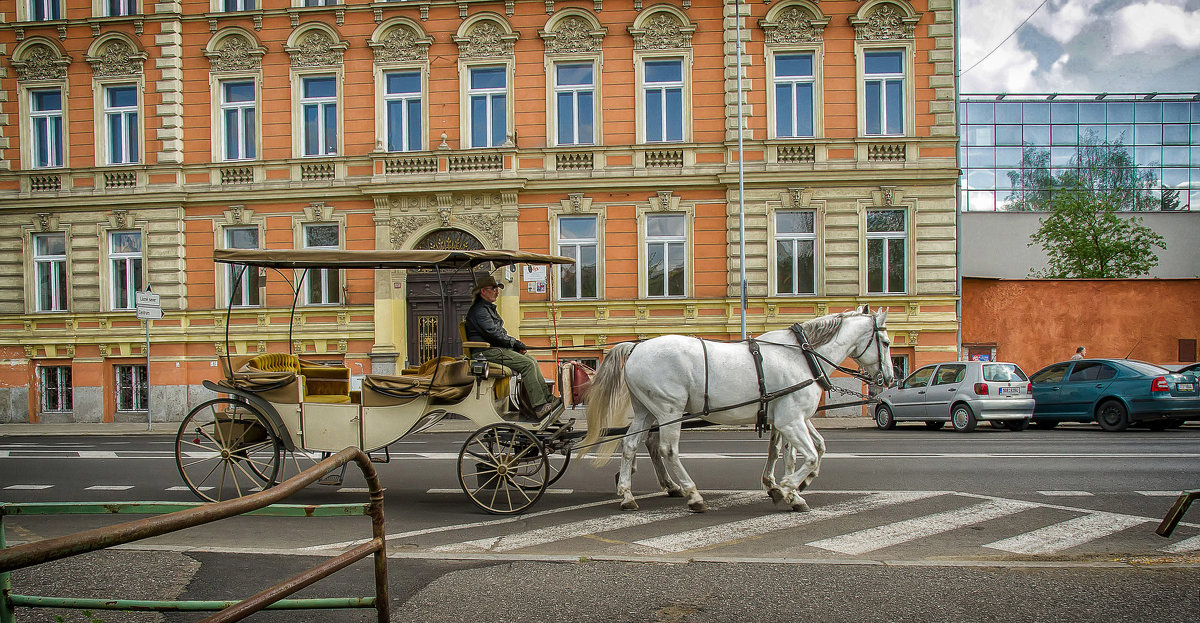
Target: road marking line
[108,488]
[1191,544]
[871,539]
[1066,494]
[1067,534]
[28,487]
[562,532]
[736,530]
[97,454]
[1159,494]
[356,489]
[459,491]
[3,454]
[183,488]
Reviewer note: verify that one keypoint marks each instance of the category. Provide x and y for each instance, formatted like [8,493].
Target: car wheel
[883,418]
[1112,416]
[1017,425]
[1046,424]
[934,425]
[963,419]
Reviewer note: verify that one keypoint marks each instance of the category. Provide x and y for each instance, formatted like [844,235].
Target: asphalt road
[907,524]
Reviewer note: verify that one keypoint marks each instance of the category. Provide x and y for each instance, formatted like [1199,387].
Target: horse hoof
[631,505]
[800,507]
[697,507]
[674,493]
[776,495]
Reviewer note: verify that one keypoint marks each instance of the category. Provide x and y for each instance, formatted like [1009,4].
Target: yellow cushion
[327,398]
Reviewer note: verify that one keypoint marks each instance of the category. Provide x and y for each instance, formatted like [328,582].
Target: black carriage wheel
[557,464]
[1112,416]
[503,468]
[225,449]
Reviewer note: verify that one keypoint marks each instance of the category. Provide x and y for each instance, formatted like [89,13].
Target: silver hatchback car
[962,393]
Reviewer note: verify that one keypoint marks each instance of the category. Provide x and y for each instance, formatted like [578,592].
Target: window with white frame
[666,255]
[574,90]
[114,8]
[55,382]
[319,111]
[50,272]
[238,118]
[793,95]
[487,93]
[240,5]
[577,240]
[663,99]
[886,251]
[125,262]
[242,282]
[795,252]
[133,392]
[43,10]
[46,127]
[402,99]
[883,92]
[121,123]
[322,286]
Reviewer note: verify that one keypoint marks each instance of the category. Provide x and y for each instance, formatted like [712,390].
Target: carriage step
[386,458]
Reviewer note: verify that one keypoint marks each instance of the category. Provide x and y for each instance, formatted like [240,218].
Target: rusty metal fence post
[262,503]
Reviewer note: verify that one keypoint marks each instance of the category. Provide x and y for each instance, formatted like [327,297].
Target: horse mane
[823,329]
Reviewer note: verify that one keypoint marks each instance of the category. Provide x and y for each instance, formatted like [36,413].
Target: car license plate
[1010,390]
[1185,387]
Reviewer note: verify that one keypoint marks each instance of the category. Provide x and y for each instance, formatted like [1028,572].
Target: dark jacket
[484,325]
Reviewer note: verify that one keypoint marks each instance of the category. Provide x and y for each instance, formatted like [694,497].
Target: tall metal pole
[737,23]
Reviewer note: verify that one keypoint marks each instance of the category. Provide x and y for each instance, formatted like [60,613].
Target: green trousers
[531,374]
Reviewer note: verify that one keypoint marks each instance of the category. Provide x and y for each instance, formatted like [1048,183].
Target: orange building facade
[137,137]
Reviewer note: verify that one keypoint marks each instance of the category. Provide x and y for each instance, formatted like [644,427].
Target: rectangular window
[46,127]
[121,121]
[403,102]
[884,92]
[42,10]
[666,254]
[573,92]
[488,97]
[664,100]
[133,392]
[320,2]
[50,272]
[125,255]
[794,95]
[319,111]
[240,5]
[115,8]
[56,388]
[242,282]
[577,240]
[238,108]
[323,286]
[885,251]
[795,252]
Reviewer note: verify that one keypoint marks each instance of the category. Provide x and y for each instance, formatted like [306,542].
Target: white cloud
[1064,22]
[1150,25]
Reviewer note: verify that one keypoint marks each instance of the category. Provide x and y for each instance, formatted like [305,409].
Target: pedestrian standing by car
[483,324]
[1080,353]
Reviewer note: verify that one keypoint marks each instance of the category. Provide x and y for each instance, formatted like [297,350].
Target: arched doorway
[432,319]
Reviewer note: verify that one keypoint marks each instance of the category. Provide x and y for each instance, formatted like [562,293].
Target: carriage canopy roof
[326,258]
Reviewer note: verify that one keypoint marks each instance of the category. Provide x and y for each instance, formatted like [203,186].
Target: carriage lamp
[479,367]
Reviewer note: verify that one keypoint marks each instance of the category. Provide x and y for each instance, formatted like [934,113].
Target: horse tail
[607,398]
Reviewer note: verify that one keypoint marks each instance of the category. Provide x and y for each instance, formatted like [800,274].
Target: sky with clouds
[1079,46]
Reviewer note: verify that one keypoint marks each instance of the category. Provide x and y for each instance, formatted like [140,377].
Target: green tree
[1104,169]
[1084,236]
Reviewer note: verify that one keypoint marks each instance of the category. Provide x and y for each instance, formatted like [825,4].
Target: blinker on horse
[665,380]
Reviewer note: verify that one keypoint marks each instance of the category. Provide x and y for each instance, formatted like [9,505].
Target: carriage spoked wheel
[503,468]
[225,449]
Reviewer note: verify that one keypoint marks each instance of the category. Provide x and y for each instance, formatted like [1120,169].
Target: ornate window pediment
[662,30]
[572,33]
[37,60]
[315,47]
[486,38]
[794,24]
[400,42]
[234,51]
[885,21]
[115,56]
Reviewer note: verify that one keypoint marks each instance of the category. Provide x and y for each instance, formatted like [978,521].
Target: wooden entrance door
[436,303]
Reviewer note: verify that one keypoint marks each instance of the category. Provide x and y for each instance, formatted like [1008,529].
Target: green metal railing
[187,515]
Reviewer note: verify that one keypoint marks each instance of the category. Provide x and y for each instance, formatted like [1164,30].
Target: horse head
[873,349]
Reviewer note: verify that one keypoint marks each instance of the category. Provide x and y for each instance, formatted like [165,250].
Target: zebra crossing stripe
[1067,534]
[1066,494]
[97,454]
[737,530]
[28,487]
[871,539]
[1191,544]
[562,532]
[108,488]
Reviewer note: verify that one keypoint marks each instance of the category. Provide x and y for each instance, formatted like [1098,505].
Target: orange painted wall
[1036,322]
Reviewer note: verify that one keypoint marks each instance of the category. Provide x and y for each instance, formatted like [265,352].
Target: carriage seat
[283,377]
[446,380]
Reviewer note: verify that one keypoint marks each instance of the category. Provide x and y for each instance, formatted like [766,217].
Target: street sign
[146,299]
[150,313]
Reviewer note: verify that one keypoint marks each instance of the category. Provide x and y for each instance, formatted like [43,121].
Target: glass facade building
[1016,152]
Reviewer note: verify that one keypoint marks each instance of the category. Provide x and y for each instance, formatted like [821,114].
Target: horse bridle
[858,374]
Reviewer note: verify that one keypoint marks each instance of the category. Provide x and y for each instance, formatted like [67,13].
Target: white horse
[664,378]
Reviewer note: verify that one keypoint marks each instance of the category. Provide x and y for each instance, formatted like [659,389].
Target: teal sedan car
[1115,393]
